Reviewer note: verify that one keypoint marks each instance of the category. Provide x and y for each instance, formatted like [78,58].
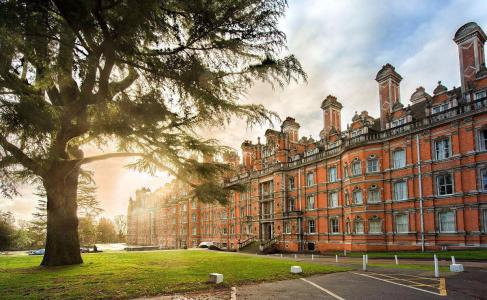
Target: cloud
[341,45]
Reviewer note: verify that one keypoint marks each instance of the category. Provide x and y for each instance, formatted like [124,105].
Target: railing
[460,109]
[266,244]
[246,242]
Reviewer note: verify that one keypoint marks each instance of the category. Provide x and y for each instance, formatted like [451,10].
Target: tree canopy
[134,78]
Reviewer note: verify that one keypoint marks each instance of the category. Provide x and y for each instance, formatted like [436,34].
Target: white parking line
[408,286]
[323,289]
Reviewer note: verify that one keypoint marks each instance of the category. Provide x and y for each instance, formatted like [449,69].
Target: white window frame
[355,226]
[332,227]
[291,200]
[404,191]
[310,179]
[369,197]
[442,151]
[356,168]
[483,185]
[291,183]
[397,224]
[438,186]
[333,199]
[440,108]
[357,195]
[441,228]
[401,162]
[287,227]
[375,221]
[332,176]
[369,164]
[484,219]
[482,139]
[311,221]
[308,202]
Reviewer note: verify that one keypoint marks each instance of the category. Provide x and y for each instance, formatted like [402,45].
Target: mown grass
[459,255]
[137,274]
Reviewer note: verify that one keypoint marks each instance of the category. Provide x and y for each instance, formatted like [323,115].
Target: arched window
[359,225]
[375,225]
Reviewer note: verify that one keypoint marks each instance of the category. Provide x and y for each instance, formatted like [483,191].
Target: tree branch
[20,156]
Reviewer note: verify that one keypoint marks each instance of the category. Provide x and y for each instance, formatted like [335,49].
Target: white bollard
[281,255]
[215,278]
[336,258]
[364,263]
[395,258]
[344,252]
[437,269]
[453,262]
[295,256]
[312,257]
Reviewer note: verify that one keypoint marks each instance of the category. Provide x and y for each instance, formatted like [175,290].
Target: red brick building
[413,178]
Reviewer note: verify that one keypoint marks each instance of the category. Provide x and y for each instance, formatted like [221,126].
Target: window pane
[399,159]
[333,199]
[402,223]
[374,196]
[400,190]
[445,184]
[359,226]
[372,165]
[357,197]
[332,174]
[374,226]
[447,221]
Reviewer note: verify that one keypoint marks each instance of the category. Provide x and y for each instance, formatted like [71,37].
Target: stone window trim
[381,224]
[356,191]
[394,199]
[358,220]
[481,138]
[374,187]
[396,215]
[440,139]
[336,192]
[438,213]
[314,201]
[437,186]
[481,172]
[308,228]
[308,184]
[330,179]
[330,228]
[483,218]
[398,163]
[355,167]
[370,159]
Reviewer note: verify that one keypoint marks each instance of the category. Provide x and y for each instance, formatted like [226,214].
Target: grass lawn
[459,255]
[137,274]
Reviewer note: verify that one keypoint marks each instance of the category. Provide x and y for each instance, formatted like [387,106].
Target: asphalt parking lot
[384,284]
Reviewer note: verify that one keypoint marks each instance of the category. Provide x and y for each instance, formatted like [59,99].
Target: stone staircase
[252,248]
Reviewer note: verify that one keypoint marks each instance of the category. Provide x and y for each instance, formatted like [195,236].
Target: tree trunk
[62,243]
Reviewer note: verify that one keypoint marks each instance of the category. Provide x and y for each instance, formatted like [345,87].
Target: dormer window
[398,122]
[439,108]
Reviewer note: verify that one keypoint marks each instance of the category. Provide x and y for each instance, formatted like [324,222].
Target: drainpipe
[420,185]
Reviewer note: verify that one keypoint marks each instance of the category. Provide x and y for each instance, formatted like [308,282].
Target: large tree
[133,77]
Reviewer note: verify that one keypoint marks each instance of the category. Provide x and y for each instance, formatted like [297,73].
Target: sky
[341,44]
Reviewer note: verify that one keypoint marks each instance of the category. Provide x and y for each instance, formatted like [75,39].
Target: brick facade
[415,177]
